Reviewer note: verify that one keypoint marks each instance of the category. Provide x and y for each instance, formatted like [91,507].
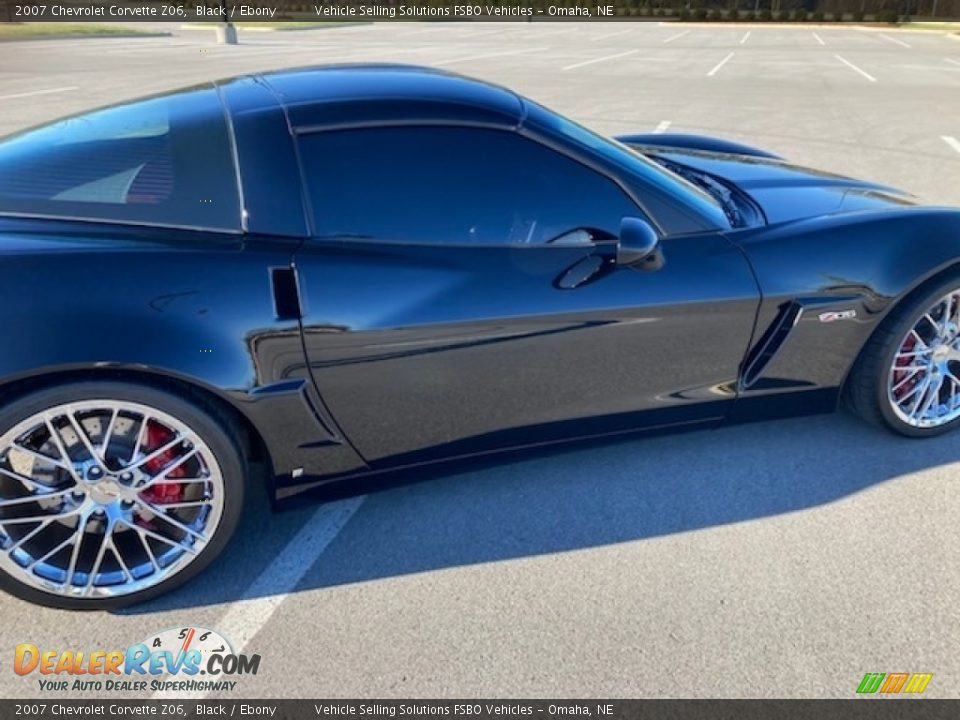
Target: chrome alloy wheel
[101,498]
[924,380]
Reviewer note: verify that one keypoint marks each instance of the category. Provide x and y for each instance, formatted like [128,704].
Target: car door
[453,302]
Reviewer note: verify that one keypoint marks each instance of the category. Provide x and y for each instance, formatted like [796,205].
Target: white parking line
[894,40]
[744,38]
[265,594]
[819,39]
[613,34]
[482,56]
[600,59]
[674,37]
[850,65]
[951,141]
[951,60]
[719,65]
[37,92]
[661,127]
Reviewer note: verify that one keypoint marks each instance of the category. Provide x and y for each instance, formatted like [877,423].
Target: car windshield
[632,161]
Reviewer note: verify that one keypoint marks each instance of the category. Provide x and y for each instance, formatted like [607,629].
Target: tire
[880,393]
[150,465]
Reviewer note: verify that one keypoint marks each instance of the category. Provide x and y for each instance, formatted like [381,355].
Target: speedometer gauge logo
[183,640]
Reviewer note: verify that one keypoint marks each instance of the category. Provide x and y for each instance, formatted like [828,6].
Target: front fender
[864,263]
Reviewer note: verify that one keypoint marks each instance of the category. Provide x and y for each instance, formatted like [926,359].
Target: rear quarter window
[159,161]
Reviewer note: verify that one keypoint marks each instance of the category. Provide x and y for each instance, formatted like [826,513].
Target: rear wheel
[112,493]
[908,376]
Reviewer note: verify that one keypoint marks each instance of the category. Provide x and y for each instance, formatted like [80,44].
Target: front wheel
[908,376]
[112,493]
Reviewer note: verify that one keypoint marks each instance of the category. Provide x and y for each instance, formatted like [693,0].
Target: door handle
[583,271]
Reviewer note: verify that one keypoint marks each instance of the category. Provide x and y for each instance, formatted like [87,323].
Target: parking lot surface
[783,559]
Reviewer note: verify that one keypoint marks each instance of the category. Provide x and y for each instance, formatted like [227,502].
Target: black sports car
[352,271]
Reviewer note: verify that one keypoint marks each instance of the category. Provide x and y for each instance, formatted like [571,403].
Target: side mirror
[638,245]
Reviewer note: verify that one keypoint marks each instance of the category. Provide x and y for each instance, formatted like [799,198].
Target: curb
[295,28]
[801,25]
[86,36]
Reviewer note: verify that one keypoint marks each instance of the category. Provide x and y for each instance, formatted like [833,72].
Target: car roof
[335,96]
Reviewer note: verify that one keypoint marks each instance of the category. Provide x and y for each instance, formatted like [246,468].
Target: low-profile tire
[154,479]
[907,378]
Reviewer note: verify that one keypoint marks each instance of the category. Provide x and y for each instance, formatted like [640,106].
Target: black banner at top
[321,11]
[857,709]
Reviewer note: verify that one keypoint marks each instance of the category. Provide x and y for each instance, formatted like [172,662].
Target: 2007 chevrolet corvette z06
[348,272]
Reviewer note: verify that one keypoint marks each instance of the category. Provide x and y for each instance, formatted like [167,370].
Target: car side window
[454,185]
[164,160]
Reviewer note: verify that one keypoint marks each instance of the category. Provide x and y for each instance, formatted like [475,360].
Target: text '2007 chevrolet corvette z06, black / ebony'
[347,272]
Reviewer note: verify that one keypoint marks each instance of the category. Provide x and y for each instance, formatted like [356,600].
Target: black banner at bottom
[853,709]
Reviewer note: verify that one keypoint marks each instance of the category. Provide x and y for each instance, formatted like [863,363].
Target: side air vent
[286,295]
[770,343]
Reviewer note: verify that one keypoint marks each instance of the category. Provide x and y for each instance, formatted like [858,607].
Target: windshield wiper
[717,190]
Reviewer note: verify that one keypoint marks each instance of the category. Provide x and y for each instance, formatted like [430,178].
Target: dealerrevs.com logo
[189,659]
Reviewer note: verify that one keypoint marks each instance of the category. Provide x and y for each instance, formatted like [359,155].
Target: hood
[784,191]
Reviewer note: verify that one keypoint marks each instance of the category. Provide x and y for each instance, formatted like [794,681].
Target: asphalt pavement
[780,559]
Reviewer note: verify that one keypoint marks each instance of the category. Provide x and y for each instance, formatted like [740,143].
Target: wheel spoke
[158,513]
[32,499]
[924,385]
[30,535]
[127,573]
[39,518]
[161,476]
[158,452]
[46,458]
[172,481]
[180,505]
[944,317]
[98,560]
[952,393]
[74,555]
[146,547]
[933,323]
[84,438]
[919,340]
[952,309]
[931,394]
[141,432]
[31,484]
[904,368]
[107,434]
[162,538]
[903,382]
[51,553]
[913,391]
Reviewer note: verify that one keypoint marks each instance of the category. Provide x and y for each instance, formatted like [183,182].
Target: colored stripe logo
[894,683]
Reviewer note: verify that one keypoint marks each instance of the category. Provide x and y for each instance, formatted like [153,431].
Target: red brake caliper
[161,493]
[899,375]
